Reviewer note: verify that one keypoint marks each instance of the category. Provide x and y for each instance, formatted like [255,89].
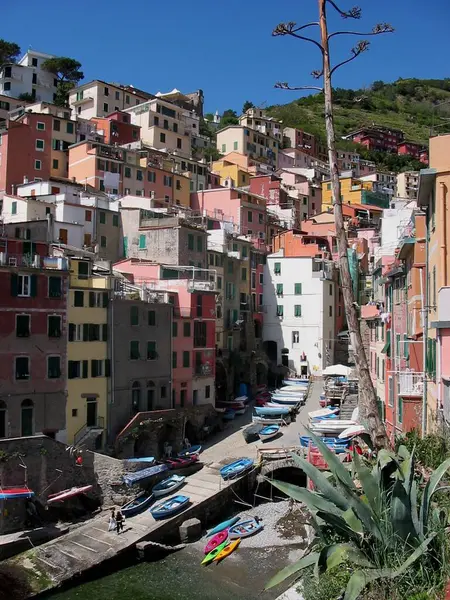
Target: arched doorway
[3,419]
[150,395]
[27,418]
[271,349]
[136,396]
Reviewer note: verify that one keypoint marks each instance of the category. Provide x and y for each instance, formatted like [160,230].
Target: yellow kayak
[227,550]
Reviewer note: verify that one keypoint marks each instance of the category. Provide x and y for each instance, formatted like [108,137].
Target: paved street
[231,444]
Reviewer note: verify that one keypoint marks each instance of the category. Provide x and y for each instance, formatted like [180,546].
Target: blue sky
[225,47]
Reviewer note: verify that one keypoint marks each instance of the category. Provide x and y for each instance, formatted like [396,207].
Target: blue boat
[221,526]
[329,441]
[245,529]
[296,382]
[190,451]
[269,432]
[236,468]
[145,459]
[169,507]
[285,401]
[268,410]
[132,478]
[137,505]
[325,417]
[168,485]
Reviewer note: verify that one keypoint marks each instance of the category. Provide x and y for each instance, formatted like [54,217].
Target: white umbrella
[339,370]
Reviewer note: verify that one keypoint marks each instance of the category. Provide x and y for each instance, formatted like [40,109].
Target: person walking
[112,520]
[119,521]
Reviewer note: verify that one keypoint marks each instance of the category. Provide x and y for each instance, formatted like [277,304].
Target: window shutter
[71,332]
[33,285]
[105,299]
[105,332]
[85,369]
[85,332]
[91,299]
[94,369]
[107,368]
[14,284]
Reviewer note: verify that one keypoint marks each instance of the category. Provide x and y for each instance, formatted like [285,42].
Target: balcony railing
[203,370]
[410,383]
[34,261]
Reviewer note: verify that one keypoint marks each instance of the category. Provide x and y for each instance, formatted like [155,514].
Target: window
[331,289]
[105,107]
[199,334]
[97,368]
[142,241]
[56,125]
[167,181]
[22,367]
[186,358]
[162,137]
[279,289]
[224,148]
[83,270]
[78,298]
[127,172]
[151,318]
[134,315]
[134,350]
[102,217]
[298,310]
[186,329]
[174,360]
[235,145]
[250,216]
[330,311]
[53,367]
[115,220]
[40,144]
[23,325]
[37,165]
[40,126]
[174,329]
[179,143]
[55,163]
[199,244]
[69,127]
[117,95]
[190,241]
[24,285]
[151,176]
[280,310]
[219,282]
[391,391]
[14,207]
[139,175]
[207,392]
[103,241]
[54,326]
[151,351]
[277,268]
[298,289]
[244,274]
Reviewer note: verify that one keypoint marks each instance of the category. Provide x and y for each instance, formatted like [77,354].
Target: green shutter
[33,285]
[105,299]
[190,241]
[14,284]
[134,315]
[277,268]
[174,329]
[199,244]
[125,246]
[151,350]
[85,332]
[279,289]
[94,370]
[298,310]
[298,289]
[186,358]
[142,241]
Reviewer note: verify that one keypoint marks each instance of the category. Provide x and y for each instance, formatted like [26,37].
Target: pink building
[194,326]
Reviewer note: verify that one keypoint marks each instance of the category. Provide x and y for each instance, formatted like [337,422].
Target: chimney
[13,189]
[25,179]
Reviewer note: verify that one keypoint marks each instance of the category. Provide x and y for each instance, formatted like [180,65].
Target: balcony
[203,370]
[34,261]
[82,100]
[410,383]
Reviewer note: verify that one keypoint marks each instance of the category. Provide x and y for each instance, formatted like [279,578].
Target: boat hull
[216,540]
[229,548]
[137,505]
[176,481]
[269,421]
[236,468]
[169,507]
[212,555]
[191,451]
[269,432]
[245,529]
[66,494]
[264,412]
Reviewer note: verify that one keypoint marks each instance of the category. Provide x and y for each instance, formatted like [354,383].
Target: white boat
[269,432]
[270,421]
[289,389]
[322,412]
[330,426]
[352,431]
[276,453]
[287,401]
[241,399]
[279,406]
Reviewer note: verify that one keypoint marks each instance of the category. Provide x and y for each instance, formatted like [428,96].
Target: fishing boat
[324,418]
[70,493]
[243,399]
[245,529]
[305,440]
[353,431]
[285,395]
[335,427]
[251,433]
[169,507]
[144,459]
[190,451]
[276,453]
[287,401]
[181,463]
[291,389]
[299,382]
[323,412]
[168,485]
[229,548]
[18,492]
[268,410]
[224,525]
[137,505]
[236,468]
[212,555]
[216,540]
[229,415]
[269,432]
[271,420]
[132,478]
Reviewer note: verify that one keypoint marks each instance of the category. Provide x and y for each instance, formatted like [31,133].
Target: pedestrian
[112,520]
[119,521]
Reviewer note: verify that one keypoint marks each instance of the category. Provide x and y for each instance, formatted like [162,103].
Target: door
[182,398]
[91,412]
[63,236]
[150,399]
[195,397]
[27,418]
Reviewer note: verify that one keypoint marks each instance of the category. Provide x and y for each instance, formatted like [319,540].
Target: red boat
[181,463]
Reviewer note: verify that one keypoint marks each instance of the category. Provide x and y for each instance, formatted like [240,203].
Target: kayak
[212,555]
[227,550]
[223,525]
[216,540]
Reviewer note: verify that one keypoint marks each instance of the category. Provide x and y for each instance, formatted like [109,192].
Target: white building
[383,182]
[99,99]
[299,300]
[28,77]
[408,185]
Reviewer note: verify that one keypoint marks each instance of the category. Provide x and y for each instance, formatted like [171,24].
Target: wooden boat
[236,468]
[168,485]
[269,432]
[224,525]
[181,463]
[290,407]
[276,453]
[169,507]
[271,421]
[335,427]
[212,555]
[323,412]
[229,548]
[286,401]
[244,529]
[137,505]
[216,540]
[66,494]
[191,451]
[266,411]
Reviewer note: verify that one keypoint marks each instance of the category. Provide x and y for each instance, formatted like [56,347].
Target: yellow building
[352,191]
[88,366]
[226,169]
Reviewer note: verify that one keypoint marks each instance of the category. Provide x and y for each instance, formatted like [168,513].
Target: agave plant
[381,527]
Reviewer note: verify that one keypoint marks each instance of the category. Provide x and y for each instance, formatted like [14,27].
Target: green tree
[229,117]
[247,105]
[67,72]
[9,51]
[26,97]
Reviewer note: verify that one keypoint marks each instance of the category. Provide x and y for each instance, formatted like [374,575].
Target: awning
[387,347]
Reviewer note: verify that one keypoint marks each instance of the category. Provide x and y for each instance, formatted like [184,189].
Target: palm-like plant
[381,527]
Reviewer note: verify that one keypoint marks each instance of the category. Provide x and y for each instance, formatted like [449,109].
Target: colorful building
[355,191]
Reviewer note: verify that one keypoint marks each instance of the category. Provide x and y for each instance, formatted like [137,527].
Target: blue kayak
[236,468]
[221,526]
[169,507]
[132,478]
